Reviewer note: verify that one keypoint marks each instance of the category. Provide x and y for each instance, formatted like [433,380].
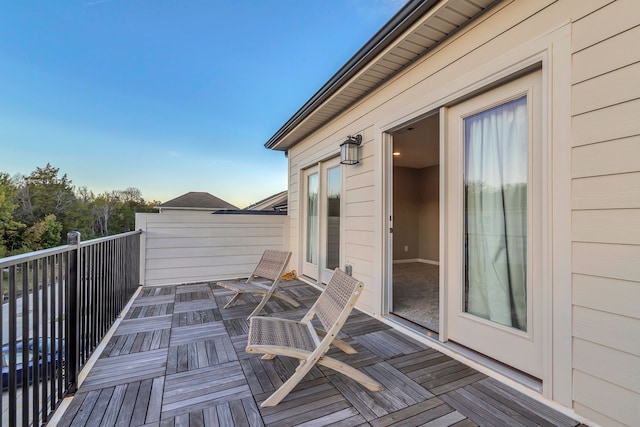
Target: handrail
[62,301]
[107,238]
[30,256]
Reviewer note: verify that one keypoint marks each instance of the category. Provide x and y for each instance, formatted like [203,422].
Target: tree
[49,193]
[102,211]
[26,203]
[43,234]
[80,216]
[9,228]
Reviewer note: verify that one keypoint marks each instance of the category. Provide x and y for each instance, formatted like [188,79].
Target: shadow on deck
[178,358]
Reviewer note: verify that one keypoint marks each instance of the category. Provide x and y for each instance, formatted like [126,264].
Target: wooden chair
[280,337]
[270,267]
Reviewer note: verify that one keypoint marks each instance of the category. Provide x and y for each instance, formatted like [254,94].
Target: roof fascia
[400,22]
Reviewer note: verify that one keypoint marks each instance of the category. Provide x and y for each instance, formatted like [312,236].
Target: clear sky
[168,96]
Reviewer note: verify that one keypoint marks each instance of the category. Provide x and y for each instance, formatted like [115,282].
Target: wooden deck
[178,359]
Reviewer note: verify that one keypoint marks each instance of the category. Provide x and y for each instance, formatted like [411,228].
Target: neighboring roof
[244,212]
[269,203]
[197,200]
[422,24]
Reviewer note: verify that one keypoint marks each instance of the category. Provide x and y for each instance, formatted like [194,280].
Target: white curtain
[495,213]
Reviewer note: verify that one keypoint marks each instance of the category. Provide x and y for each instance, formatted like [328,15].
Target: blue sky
[168,96]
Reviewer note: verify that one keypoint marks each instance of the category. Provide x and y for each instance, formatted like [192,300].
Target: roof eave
[400,22]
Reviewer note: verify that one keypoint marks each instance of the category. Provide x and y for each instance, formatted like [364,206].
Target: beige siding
[615,157]
[194,248]
[606,214]
[601,398]
[603,139]
[358,191]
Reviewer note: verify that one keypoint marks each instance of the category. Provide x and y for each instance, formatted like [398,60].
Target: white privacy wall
[184,248]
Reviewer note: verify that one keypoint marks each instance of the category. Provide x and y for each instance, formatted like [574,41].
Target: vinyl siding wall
[606,213]
[193,248]
[596,312]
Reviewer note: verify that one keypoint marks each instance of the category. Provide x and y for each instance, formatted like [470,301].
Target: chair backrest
[272,264]
[337,299]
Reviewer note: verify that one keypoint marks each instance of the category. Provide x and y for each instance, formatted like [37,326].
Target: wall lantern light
[350,150]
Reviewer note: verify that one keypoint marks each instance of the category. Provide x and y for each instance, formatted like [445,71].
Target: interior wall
[406,208]
[416,213]
[428,214]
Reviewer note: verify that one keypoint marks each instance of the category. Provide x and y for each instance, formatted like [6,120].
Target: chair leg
[287,298]
[233,300]
[346,348]
[289,385]
[351,372]
[260,306]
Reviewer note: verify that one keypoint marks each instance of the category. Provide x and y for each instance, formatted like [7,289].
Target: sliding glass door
[493,171]
[322,215]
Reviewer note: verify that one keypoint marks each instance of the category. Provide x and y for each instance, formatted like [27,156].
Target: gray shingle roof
[197,200]
[269,203]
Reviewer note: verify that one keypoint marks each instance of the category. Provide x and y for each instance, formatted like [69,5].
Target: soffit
[441,21]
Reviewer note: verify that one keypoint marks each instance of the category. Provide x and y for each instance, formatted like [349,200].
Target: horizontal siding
[607,398]
[178,242]
[620,191]
[607,226]
[607,329]
[606,158]
[621,122]
[359,252]
[596,416]
[606,363]
[359,180]
[607,260]
[191,248]
[606,213]
[360,209]
[217,231]
[616,87]
[605,23]
[607,295]
[608,55]
[362,223]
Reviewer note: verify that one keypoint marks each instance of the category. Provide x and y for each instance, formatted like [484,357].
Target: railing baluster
[2,282]
[73,333]
[60,318]
[52,325]
[45,337]
[25,344]
[35,298]
[82,294]
[70,297]
[13,316]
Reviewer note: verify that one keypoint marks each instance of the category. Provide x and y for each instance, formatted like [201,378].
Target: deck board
[178,359]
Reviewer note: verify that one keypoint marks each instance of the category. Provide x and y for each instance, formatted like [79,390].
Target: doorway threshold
[464,354]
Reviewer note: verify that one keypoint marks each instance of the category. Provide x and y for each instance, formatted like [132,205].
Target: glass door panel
[493,250]
[310,222]
[333,217]
[322,220]
[312,219]
[495,213]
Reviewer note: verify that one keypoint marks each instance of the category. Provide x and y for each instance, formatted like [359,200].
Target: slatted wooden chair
[273,337]
[270,267]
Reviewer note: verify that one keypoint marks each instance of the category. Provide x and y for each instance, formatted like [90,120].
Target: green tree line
[38,210]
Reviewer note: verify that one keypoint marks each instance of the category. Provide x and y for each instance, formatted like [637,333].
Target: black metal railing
[58,304]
